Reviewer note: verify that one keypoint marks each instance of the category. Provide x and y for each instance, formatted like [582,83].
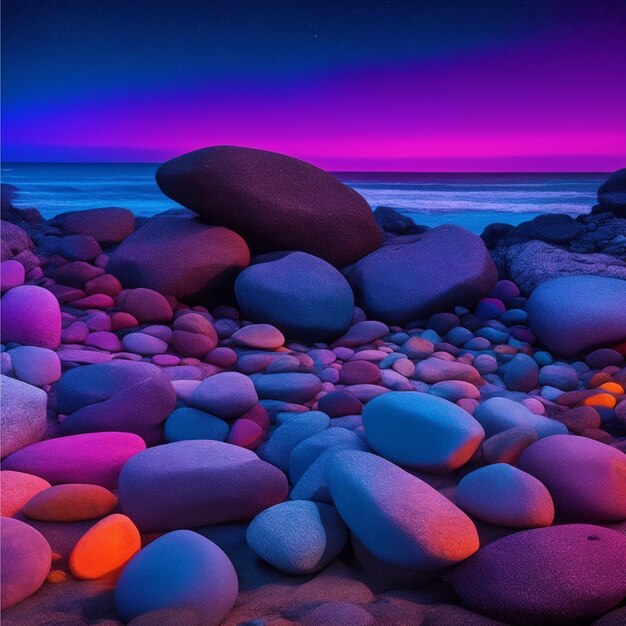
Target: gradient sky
[473,85]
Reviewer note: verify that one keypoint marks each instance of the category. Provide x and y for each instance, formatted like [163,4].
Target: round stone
[70,503]
[141,343]
[288,387]
[359,372]
[105,548]
[522,373]
[35,366]
[560,574]
[31,316]
[297,537]
[302,295]
[506,496]
[226,395]
[26,559]
[197,483]
[181,569]
[421,431]
[12,274]
[586,478]
[107,225]
[187,423]
[259,336]
[571,314]
[145,305]
[399,518]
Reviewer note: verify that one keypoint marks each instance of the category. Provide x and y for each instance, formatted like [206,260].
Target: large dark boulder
[612,193]
[273,201]
[307,298]
[413,277]
[179,256]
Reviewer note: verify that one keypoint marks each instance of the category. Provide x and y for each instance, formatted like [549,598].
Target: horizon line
[534,172]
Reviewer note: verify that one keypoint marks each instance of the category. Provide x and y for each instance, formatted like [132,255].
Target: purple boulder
[275,202]
[197,483]
[415,276]
[555,575]
[107,225]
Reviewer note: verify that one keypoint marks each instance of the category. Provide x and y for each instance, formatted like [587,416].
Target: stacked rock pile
[201,411]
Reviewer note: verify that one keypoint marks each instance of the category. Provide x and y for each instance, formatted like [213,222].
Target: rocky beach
[273,406]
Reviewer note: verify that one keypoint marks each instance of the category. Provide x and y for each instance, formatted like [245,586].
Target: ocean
[469,200]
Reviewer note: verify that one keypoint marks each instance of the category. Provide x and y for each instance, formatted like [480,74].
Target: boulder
[612,193]
[126,396]
[107,225]
[196,483]
[23,419]
[187,423]
[532,263]
[12,274]
[413,277]
[273,201]
[297,537]
[586,478]
[421,431]
[183,570]
[302,295]
[573,314]
[399,518]
[180,257]
[26,560]
[561,574]
[93,458]
[31,316]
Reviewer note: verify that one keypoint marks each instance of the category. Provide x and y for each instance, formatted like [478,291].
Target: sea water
[469,200]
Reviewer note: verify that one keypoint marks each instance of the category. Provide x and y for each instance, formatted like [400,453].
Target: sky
[429,85]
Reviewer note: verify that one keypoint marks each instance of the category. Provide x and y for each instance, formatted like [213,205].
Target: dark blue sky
[415,84]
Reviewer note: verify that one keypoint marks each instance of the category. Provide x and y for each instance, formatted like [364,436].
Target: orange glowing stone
[601,399]
[105,548]
[611,387]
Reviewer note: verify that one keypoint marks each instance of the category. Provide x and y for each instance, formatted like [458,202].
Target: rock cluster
[181,421]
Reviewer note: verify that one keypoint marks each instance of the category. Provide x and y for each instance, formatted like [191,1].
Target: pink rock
[104,341]
[96,301]
[258,415]
[93,458]
[221,357]
[146,305]
[98,320]
[190,344]
[359,372]
[165,360]
[76,332]
[83,356]
[26,560]
[107,284]
[16,489]
[12,274]
[259,336]
[246,434]
[31,316]
[122,320]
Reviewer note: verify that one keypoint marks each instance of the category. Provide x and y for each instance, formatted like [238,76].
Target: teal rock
[421,431]
[187,423]
[181,569]
[298,537]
